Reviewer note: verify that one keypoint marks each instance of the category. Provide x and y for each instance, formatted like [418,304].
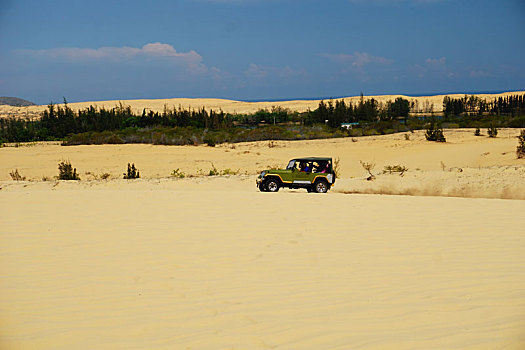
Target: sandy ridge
[231,106]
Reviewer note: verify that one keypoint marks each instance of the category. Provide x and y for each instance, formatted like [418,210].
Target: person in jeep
[315,174]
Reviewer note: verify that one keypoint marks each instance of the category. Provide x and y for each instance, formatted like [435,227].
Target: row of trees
[369,111]
[473,105]
[57,121]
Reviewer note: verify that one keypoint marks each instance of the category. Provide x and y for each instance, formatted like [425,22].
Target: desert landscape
[431,259]
[143,203]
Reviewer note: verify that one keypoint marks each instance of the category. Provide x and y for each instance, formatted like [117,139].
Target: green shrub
[178,174]
[370,132]
[492,131]
[132,173]
[228,171]
[401,169]
[209,140]
[355,132]
[66,171]
[434,133]
[114,139]
[16,176]
[517,122]
[520,150]
[213,171]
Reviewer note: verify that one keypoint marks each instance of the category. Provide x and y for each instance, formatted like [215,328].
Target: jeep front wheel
[321,186]
[272,185]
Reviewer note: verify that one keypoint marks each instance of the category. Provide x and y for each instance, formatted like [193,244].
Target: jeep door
[302,177]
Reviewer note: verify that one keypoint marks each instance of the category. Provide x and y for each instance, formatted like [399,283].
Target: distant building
[349,125]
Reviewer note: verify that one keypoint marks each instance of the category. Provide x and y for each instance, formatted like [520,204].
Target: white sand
[211,263]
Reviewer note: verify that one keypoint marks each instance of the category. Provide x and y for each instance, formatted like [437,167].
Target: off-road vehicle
[315,174]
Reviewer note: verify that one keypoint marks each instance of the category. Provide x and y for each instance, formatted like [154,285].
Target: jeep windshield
[291,164]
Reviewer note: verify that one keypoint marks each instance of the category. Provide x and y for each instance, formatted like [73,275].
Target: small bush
[216,172]
[132,173]
[520,150]
[355,132]
[105,176]
[477,132]
[336,167]
[368,167]
[209,140]
[407,137]
[401,169]
[114,139]
[213,171]
[228,171]
[492,131]
[178,174]
[435,133]
[15,175]
[66,171]
[370,132]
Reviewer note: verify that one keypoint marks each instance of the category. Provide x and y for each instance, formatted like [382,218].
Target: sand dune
[424,103]
[211,263]
[473,166]
[220,265]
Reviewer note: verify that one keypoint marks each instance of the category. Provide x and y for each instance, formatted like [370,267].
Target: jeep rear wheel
[321,186]
[272,185]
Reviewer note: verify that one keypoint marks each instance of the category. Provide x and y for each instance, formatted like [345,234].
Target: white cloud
[357,59]
[436,61]
[479,74]
[359,63]
[434,67]
[256,71]
[192,60]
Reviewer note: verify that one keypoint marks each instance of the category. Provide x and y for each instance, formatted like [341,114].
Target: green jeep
[314,173]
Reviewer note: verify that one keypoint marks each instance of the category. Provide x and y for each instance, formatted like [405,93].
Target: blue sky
[258,49]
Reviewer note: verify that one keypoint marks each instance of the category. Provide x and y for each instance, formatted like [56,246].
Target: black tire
[321,186]
[272,185]
[262,188]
